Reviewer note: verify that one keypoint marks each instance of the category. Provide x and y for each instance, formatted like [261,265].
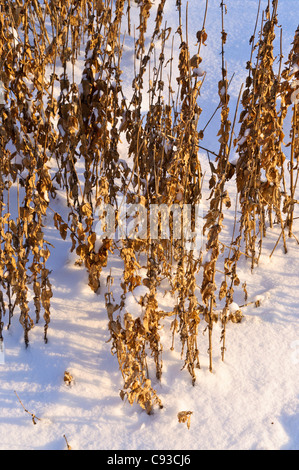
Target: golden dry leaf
[223,290]
[195,61]
[236,317]
[185,417]
[202,37]
[68,378]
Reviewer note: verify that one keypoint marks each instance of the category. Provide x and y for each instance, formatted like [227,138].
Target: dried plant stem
[33,417]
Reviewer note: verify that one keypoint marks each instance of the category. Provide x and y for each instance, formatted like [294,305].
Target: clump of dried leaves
[46,138]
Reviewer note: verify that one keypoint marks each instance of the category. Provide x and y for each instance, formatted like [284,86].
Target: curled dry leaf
[185,417]
[68,378]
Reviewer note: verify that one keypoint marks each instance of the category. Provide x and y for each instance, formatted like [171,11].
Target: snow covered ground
[251,401]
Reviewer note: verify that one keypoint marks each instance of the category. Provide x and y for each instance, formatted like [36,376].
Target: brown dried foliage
[46,137]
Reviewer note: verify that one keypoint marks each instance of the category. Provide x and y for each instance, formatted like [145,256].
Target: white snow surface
[250,401]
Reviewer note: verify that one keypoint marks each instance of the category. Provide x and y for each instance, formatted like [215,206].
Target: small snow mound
[234,307]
